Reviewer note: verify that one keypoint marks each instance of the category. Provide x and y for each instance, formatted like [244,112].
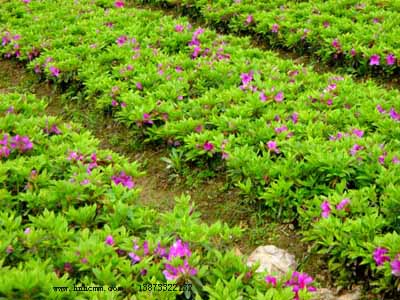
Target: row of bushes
[295,141]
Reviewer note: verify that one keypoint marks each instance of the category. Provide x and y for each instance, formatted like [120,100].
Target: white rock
[273,260]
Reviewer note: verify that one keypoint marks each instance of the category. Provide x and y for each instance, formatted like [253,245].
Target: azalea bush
[360,37]
[66,221]
[295,143]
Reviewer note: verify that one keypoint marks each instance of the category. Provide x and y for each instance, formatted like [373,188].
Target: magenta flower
[379,255]
[22,143]
[139,86]
[358,132]
[263,97]
[381,159]
[374,60]
[109,240]
[270,280]
[272,146]
[179,28]
[395,160]
[134,258]
[390,59]
[121,40]
[85,182]
[124,180]
[145,247]
[74,156]
[4,152]
[160,251]
[395,265]
[300,281]
[26,1]
[279,97]
[246,78]
[326,24]
[172,273]
[281,129]
[342,204]
[336,44]
[355,149]
[326,209]
[54,71]
[380,109]
[295,117]
[147,119]
[275,28]
[119,4]
[353,52]
[179,249]
[208,146]
[249,20]
[394,115]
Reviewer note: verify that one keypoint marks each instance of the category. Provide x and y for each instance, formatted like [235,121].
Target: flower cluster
[380,257]
[178,250]
[300,281]
[124,180]
[19,143]
[326,207]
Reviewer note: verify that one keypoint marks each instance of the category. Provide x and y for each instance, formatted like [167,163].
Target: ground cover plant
[70,218]
[360,36]
[320,151]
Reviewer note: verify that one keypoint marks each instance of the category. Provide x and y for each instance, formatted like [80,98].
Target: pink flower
[119,4]
[27,230]
[394,115]
[353,52]
[179,28]
[279,97]
[263,97]
[208,146]
[374,60]
[272,146]
[124,180]
[270,280]
[379,256]
[249,20]
[395,265]
[390,59]
[22,143]
[54,71]
[336,44]
[275,28]
[134,258]
[300,281]
[342,204]
[395,160]
[380,109]
[147,119]
[26,1]
[355,149]
[109,240]
[172,273]
[295,117]
[139,86]
[122,40]
[281,129]
[326,209]
[179,249]
[246,78]
[358,132]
